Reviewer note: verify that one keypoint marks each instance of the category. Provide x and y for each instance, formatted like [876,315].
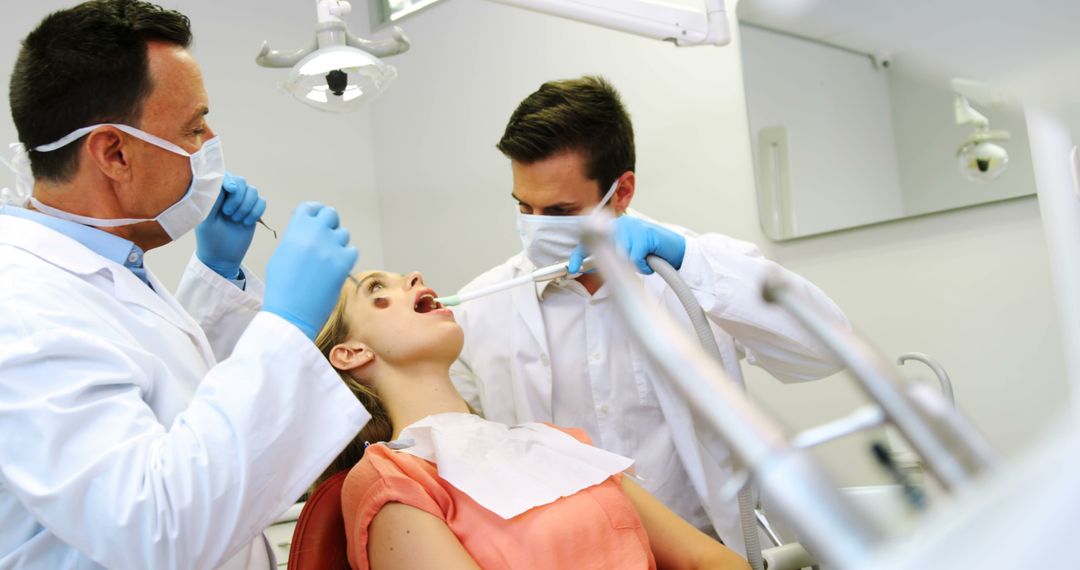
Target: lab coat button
[544,360]
[603,409]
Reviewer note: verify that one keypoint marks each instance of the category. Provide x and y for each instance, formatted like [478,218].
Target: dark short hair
[584,115]
[82,66]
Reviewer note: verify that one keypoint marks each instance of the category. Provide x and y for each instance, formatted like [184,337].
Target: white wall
[835,105]
[969,287]
[290,152]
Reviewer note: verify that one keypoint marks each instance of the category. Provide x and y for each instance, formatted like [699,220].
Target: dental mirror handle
[555,271]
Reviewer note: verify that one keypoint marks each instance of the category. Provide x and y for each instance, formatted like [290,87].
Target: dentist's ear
[351,356]
[620,201]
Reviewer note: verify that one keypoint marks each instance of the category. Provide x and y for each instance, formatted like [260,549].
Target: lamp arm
[380,48]
[274,58]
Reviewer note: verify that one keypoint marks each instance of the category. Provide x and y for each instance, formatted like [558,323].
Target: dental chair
[318,541]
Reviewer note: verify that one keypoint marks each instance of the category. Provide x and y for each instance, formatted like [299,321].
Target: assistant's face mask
[551,239]
[207,174]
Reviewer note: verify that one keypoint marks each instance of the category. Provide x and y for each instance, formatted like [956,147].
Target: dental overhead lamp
[338,72]
[979,159]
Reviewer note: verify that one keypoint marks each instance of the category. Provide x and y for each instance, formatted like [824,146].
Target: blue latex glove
[305,274]
[637,239]
[223,238]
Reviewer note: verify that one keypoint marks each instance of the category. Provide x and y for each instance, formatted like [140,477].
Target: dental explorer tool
[273,231]
[549,273]
[263,224]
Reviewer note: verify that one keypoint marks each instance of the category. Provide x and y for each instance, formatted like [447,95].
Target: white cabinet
[280,534]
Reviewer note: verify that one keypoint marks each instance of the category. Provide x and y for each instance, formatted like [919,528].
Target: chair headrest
[319,541]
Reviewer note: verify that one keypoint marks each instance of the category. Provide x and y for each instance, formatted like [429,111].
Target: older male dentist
[142,430]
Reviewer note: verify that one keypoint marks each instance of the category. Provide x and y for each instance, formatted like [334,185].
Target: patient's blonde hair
[379,428]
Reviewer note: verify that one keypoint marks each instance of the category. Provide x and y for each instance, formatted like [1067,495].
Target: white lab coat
[505,366]
[131,439]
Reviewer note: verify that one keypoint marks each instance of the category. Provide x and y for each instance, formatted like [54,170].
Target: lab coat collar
[51,246]
[60,250]
[530,387]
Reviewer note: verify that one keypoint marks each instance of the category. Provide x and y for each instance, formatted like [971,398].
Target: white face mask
[551,239]
[207,174]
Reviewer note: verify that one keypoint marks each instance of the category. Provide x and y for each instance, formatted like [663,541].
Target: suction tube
[708,343]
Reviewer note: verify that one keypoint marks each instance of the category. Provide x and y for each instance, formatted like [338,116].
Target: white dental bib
[507,470]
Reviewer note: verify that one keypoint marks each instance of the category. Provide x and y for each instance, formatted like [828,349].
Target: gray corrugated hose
[708,342]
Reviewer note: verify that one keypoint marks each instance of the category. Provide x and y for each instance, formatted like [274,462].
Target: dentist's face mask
[207,174]
[551,239]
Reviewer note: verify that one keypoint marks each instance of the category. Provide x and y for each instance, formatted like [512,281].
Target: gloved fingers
[622,239]
[248,203]
[216,209]
[235,188]
[639,249]
[232,182]
[341,236]
[349,255]
[328,216]
[576,257]
[307,210]
[256,213]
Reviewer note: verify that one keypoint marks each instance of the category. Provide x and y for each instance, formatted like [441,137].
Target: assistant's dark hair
[584,115]
[82,66]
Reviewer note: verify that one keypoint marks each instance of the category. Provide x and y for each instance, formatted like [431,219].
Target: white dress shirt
[595,387]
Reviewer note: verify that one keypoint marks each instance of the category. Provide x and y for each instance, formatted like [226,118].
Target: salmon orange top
[596,527]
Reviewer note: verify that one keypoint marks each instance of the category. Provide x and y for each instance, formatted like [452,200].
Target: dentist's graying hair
[585,115]
[82,66]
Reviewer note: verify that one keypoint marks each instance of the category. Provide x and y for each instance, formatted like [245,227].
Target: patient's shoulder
[380,463]
[576,433]
[383,475]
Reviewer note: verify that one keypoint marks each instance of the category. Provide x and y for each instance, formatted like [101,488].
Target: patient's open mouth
[426,302]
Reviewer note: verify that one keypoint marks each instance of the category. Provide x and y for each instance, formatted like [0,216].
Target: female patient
[437,487]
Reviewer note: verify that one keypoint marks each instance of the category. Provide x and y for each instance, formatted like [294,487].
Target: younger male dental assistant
[558,353]
[143,431]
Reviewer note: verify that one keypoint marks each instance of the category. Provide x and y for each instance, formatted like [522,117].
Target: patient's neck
[415,393]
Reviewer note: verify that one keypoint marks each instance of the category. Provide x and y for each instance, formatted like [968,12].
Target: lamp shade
[339,78]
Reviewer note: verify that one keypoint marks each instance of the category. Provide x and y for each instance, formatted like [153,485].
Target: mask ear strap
[606,198]
[79,133]
[70,138]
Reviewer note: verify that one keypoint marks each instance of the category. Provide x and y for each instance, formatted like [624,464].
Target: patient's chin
[451,343]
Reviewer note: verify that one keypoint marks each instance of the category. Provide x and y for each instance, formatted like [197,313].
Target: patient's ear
[351,356]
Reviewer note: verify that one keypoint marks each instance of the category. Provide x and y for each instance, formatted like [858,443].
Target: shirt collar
[111,247]
[545,288]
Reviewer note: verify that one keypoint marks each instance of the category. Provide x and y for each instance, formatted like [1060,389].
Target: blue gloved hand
[305,274]
[223,238]
[637,239]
